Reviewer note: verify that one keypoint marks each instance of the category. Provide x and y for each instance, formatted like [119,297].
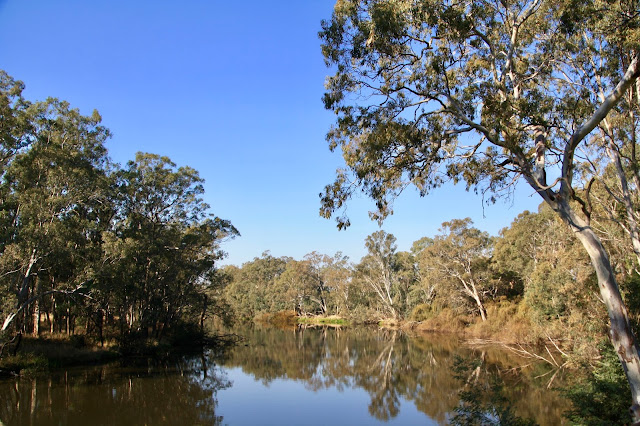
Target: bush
[422,312]
[364,315]
[604,396]
[331,320]
[508,322]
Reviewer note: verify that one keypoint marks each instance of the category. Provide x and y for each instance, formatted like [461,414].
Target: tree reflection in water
[182,392]
[391,367]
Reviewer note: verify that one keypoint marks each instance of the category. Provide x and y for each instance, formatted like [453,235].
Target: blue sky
[232,89]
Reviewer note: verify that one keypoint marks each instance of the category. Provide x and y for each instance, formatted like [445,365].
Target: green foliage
[602,397]
[419,85]
[85,241]
[251,289]
[317,285]
[163,246]
[543,294]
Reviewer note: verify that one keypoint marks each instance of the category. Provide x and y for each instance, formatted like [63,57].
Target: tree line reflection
[391,366]
[180,392]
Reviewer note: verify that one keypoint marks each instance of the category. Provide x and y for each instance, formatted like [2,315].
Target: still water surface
[313,376]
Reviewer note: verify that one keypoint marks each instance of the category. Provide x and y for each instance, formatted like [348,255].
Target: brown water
[321,376]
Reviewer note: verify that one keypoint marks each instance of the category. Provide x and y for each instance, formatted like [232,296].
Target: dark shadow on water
[178,392]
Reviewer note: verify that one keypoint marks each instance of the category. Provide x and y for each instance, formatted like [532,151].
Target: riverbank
[47,352]
[506,324]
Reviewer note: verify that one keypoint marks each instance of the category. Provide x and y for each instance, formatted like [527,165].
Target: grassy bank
[504,322]
[43,353]
[290,319]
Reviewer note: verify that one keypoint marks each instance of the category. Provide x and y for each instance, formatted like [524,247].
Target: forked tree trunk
[476,297]
[483,312]
[472,291]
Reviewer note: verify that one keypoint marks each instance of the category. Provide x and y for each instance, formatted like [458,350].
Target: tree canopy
[429,91]
[134,248]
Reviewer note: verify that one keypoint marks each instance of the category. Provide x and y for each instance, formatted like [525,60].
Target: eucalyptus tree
[337,274]
[483,92]
[54,194]
[294,289]
[378,269]
[163,245]
[252,288]
[457,262]
[423,290]
[331,274]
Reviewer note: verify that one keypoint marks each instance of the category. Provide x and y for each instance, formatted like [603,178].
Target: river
[310,376]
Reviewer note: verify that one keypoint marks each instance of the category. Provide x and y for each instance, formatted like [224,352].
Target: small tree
[378,270]
[457,262]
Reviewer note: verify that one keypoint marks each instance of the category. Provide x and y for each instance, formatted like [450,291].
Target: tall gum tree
[484,92]
[53,193]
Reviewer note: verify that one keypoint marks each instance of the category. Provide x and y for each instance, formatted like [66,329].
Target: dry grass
[508,323]
[446,321]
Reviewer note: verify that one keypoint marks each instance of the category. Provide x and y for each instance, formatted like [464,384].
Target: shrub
[603,397]
[422,312]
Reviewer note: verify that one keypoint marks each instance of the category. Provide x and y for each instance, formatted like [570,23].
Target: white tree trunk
[622,337]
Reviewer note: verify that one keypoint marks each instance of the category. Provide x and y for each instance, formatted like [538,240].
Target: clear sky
[232,89]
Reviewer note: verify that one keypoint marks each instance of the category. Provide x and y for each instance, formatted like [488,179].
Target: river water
[303,376]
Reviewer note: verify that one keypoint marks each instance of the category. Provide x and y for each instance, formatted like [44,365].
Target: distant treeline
[88,245]
[531,282]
